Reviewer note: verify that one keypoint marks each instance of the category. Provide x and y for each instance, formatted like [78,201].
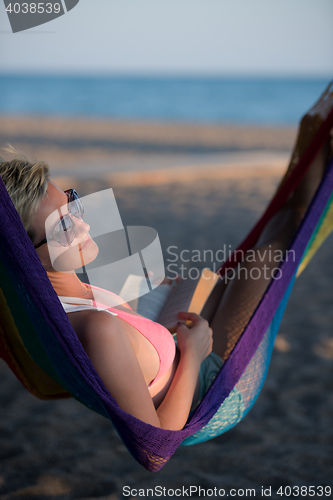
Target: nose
[81,226]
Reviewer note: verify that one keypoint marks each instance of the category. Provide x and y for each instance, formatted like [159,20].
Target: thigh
[241,297]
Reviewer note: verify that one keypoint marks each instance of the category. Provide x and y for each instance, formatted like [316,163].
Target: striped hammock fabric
[40,346]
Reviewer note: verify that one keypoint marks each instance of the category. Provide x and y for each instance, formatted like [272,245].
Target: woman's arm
[114,359]
[195,344]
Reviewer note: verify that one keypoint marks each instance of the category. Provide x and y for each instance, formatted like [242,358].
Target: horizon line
[166,74]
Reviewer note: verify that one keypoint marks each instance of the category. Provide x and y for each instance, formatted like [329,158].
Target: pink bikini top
[157,334]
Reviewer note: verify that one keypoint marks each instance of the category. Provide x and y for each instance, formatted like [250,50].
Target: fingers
[187,315]
[191,319]
[159,281]
[171,281]
[190,315]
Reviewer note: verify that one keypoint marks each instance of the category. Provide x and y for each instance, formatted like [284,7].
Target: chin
[90,252]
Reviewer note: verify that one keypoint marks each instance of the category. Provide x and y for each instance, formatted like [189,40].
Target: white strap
[75,304]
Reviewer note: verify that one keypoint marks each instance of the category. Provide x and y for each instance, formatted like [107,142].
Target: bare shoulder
[93,322]
[102,337]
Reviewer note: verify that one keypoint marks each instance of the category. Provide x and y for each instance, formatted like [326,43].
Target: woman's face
[52,254]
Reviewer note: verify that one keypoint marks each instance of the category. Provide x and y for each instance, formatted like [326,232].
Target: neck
[67,284]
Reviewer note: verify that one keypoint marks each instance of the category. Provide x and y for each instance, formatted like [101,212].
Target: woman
[135,357]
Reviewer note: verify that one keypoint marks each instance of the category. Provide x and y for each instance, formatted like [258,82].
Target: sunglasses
[65,231]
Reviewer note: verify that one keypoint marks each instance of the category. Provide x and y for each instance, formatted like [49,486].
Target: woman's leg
[250,279]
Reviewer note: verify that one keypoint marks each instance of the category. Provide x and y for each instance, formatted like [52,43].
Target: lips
[85,243]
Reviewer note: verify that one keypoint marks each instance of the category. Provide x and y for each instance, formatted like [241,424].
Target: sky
[177,37]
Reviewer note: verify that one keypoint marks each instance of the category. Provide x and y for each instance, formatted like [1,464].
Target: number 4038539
[34,8]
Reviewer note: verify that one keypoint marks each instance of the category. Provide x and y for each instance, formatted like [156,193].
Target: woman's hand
[166,280]
[196,340]
[171,281]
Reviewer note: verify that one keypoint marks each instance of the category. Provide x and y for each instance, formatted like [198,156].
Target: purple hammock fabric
[151,446]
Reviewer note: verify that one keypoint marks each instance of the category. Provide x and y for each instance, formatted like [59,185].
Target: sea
[224,100]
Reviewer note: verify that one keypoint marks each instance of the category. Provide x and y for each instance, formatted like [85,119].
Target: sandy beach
[200,187]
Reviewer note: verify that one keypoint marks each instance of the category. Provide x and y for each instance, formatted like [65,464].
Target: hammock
[40,346]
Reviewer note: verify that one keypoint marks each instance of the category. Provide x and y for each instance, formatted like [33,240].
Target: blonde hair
[26,183]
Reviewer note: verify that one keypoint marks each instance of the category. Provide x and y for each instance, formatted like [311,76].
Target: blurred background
[189,111]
